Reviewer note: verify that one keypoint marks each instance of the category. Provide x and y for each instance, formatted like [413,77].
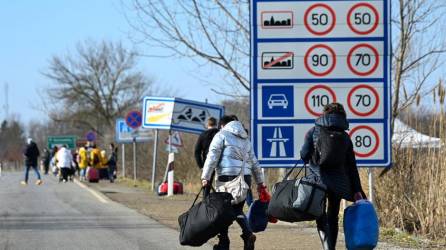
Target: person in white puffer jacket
[64,162]
[231,149]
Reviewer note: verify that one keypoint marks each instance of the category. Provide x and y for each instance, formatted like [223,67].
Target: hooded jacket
[227,152]
[64,158]
[343,181]
[31,154]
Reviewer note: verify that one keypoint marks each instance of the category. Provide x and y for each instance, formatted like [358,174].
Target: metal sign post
[170,173]
[371,190]
[155,149]
[123,160]
[134,162]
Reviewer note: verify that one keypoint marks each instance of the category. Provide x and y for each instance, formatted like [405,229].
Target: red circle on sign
[349,22]
[134,119]
[307,25]
[373,69]
[375,134]
[307,105]
[309,69]
[349,100]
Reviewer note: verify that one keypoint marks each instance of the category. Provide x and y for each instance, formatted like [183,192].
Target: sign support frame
[155,153]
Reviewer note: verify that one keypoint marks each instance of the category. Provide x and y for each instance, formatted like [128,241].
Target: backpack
[96,159]
[330,147]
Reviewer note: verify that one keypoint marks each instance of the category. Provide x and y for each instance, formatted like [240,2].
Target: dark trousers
[238,209]
[65,172]
[328,223]
[27,172]
[111,172]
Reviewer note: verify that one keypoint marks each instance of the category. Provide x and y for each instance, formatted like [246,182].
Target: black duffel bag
[206,219]
[284,195]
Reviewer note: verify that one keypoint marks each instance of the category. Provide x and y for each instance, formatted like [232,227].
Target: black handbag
[206,219]
[285,193]
[312,195]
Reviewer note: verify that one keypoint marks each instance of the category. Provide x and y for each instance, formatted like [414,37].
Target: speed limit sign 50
[363,18]
[320,19]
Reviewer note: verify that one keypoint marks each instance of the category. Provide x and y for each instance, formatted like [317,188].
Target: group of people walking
[65,163]
[225,150]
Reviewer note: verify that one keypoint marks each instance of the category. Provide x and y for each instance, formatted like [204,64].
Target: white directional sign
[307,54]
[125,134]
[178,114]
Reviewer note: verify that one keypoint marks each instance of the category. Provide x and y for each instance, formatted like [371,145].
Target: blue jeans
[83,172]
[27,172]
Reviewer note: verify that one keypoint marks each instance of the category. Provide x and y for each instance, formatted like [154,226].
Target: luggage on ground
[285,193]
[361,228]
[330,147]
[257,217]
[206,219]
[163,187]
[311,197]
[92,174]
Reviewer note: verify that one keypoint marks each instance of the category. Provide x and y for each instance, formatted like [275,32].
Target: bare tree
[419,45]
[95,86]
[215,32]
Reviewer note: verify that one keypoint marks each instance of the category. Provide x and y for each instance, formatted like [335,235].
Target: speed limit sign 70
[363,59]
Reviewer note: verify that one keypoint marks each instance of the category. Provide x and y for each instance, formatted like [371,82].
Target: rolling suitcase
[92,174]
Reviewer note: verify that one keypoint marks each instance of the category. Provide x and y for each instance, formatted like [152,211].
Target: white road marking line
[94,193]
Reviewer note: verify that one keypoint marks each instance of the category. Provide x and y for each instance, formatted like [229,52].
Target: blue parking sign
[277,101]
[279,141]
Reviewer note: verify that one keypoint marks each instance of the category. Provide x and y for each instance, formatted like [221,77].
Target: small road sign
[177,141]
[125,134]
[134,119]
[59,141]
[306,54]
[90,136]
[178,114]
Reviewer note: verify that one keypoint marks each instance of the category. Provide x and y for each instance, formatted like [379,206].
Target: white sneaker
[64,181]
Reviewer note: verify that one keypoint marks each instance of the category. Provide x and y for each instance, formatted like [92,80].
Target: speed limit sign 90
[320,60]
[365,141]
[320,19]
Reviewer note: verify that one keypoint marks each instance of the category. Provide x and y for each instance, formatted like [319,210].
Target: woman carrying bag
[232,156]
[329,150]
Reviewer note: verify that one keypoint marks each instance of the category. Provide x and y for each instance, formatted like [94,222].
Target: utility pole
[6,104]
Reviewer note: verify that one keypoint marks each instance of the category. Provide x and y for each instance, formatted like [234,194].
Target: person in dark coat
[112,161]
[31,158]
[46,160]
[342,182]
[203,142]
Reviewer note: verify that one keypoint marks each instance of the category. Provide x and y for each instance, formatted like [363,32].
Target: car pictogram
[277,100]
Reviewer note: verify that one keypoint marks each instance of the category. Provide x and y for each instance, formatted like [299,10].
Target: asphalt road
[69,216]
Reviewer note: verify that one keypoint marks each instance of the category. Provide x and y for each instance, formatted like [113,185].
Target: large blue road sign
[306,54]
[126,134]
[178,114]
